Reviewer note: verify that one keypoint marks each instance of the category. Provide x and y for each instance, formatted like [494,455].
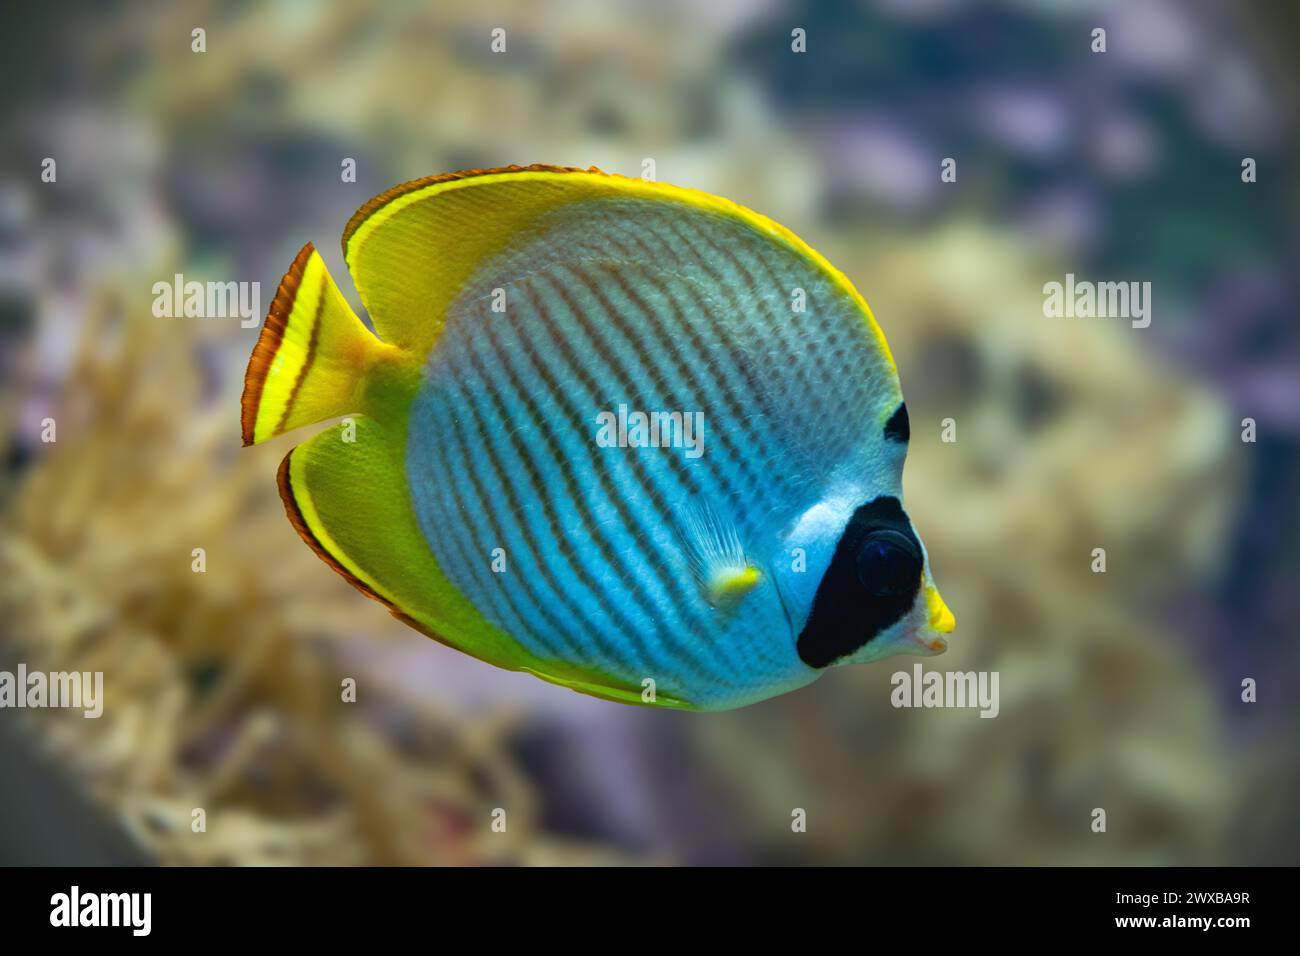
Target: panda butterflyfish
[633,439]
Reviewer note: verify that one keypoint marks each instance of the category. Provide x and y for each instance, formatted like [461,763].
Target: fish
[631,438]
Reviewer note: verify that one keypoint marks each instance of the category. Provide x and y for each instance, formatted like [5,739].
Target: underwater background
[1120,690]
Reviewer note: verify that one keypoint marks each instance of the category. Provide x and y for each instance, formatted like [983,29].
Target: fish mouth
[930,640]
[932,636]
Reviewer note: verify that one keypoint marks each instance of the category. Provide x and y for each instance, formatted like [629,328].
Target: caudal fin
[310,358]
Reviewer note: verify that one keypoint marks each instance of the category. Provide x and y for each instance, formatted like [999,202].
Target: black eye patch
[872,581]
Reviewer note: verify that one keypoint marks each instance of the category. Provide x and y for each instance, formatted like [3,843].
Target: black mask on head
[872,581]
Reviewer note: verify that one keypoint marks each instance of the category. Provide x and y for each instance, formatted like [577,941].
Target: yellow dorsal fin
[413,248]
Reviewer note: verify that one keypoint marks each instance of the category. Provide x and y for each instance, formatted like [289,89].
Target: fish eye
[888,564]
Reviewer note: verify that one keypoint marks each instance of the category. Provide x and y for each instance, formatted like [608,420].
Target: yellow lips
[941,618]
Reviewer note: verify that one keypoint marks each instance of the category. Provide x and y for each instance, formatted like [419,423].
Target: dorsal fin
[413,248]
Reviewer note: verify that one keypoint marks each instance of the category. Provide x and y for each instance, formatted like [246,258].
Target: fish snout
[940,622]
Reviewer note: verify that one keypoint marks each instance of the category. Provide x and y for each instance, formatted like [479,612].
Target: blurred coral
[224,686]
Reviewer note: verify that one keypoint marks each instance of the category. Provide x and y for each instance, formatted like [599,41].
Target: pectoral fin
[717,558]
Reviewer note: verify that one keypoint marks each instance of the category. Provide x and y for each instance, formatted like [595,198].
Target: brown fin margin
[384,198]
[310,360]
[299,523]
[294,513]
[268,342]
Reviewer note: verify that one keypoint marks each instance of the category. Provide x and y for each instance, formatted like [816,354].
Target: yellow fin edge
[371,215]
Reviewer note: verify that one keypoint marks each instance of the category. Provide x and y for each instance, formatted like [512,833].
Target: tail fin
[310,358]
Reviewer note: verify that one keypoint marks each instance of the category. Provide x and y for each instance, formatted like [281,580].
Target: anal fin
[349,501]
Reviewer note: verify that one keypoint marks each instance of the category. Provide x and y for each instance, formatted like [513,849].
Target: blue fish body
[662,442]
